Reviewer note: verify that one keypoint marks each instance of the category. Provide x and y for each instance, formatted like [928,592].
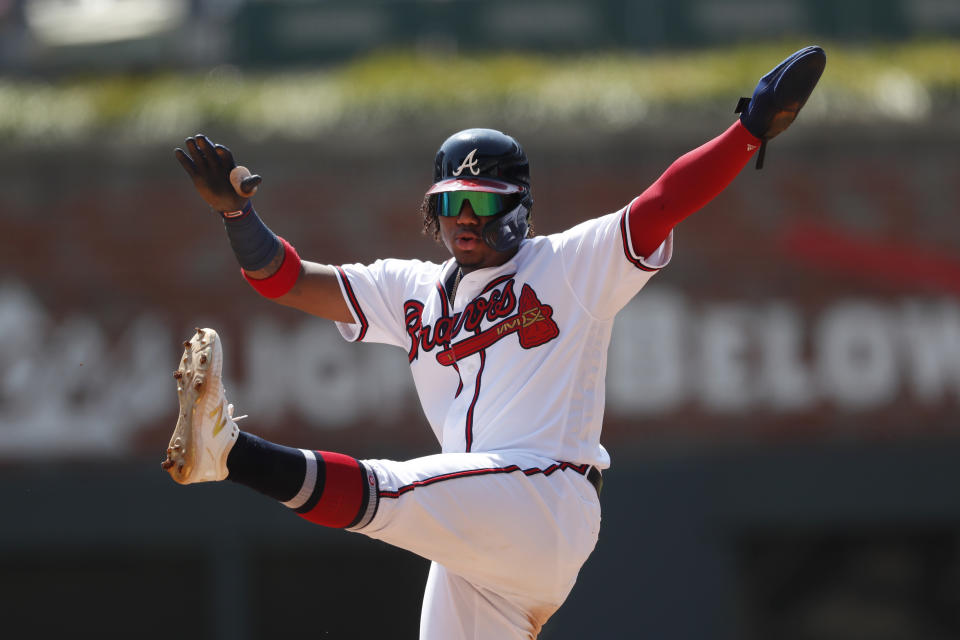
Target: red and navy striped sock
[329,489]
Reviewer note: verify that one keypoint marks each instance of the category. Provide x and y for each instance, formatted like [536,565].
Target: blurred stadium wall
[782,400]
[56,35]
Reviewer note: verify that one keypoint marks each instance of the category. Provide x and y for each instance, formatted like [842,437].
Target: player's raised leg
[511,529]
[326,488]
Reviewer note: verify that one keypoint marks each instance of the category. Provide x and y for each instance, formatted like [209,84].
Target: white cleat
[206,429]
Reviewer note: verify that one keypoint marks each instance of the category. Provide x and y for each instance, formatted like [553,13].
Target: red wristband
[282,281]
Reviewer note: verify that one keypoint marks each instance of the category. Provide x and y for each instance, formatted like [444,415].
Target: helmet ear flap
[508,231]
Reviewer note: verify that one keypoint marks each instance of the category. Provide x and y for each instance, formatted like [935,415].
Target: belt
[595,478]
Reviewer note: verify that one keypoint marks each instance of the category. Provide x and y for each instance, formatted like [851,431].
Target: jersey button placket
[468,289]
[468,369]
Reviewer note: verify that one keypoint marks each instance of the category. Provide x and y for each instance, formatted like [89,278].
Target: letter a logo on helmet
[470,162]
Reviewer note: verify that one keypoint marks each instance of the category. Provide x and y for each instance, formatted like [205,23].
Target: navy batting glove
[211,168]
[781,94]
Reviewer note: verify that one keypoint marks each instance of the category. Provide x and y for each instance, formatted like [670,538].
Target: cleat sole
[192,391]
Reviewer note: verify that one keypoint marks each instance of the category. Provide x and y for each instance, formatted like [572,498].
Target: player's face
[461,236]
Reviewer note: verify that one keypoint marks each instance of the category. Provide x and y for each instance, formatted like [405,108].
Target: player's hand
[781,93]
[217,178]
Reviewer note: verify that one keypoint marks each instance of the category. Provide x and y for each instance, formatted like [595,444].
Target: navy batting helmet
[491,161]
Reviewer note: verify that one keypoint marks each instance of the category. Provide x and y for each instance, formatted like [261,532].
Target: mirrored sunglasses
[484,204]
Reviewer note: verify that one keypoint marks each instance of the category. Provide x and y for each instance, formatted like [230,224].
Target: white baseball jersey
[510,374]
[517,360]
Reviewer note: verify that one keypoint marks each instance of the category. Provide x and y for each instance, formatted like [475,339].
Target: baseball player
[507,342]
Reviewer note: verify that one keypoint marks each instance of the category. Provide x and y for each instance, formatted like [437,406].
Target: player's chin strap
[508,231]
[742,106]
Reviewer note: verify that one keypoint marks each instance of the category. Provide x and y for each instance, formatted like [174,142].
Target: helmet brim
[475,184]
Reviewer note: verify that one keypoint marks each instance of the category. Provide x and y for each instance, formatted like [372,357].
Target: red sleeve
[688,184]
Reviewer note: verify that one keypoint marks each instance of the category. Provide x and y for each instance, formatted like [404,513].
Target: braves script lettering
[526,316]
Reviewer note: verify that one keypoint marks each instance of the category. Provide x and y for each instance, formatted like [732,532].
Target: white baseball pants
[507,533]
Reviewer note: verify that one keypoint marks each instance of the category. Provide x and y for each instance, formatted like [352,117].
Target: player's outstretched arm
[697,177]
[270,264]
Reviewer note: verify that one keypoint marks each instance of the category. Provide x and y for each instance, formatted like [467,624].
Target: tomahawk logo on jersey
[516,360]
[532,321]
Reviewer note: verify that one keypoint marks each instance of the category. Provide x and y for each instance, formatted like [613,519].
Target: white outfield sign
[67,386]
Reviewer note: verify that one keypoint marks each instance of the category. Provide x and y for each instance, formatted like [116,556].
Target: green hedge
[614,90]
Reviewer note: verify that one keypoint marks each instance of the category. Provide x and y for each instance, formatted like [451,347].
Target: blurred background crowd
[782,401]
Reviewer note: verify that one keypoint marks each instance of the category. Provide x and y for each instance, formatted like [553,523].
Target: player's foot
[206,429]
